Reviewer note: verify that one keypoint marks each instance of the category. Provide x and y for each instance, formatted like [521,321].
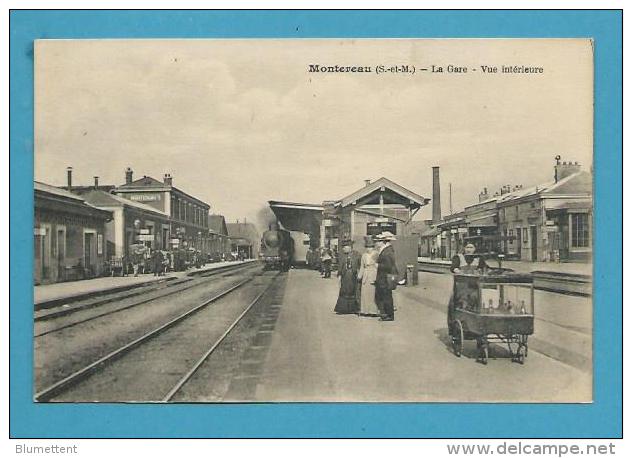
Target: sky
[240,122]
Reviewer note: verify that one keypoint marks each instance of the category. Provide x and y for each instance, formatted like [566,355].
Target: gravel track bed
[61,353]
[148,372]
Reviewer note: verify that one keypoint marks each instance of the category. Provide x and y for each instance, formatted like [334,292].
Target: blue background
[603,418]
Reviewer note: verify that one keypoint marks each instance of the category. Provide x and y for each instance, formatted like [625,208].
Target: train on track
[277,249]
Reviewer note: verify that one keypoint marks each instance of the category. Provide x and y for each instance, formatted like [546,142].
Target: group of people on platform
[142,259]
[367,280]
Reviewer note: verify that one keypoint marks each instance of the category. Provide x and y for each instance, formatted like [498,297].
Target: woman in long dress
[348,273]
[366,275]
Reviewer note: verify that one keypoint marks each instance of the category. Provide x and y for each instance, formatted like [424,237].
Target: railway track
[155,293]
[184,332]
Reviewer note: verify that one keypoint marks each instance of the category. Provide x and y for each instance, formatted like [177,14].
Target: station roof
[574,185]
[217,224]
[60,200]
[295,216]
[398,194]
[49,189]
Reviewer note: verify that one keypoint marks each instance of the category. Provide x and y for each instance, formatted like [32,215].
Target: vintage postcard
[313,220]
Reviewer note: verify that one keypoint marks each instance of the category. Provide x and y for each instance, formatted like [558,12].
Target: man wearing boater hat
[385,267]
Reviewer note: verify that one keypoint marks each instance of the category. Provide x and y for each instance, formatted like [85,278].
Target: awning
[453,222]
[485,220]
[298,216]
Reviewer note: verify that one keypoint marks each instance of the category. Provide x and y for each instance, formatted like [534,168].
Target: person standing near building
[468,262]
[367,275]
[348,268]
[137,255]
[326,263]
[386,278]
[156,258]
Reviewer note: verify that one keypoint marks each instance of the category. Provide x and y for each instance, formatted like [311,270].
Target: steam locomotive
[277,249]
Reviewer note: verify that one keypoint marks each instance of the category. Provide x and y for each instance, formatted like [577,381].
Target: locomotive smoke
[265,219]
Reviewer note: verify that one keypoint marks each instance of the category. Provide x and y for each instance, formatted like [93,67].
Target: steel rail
[134,304]
[82,374]
[210,351]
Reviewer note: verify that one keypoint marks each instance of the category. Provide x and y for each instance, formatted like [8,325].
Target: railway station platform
[317,355]
[58,293]
[575,268]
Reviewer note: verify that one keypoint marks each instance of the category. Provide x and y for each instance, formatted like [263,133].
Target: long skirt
[347,297]
[368,306]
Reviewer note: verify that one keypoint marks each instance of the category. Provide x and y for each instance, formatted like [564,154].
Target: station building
[218,235]
[132,222]
[547,222]
[244,239]
[378,206]
[550,222]
[188,216]
[69,236]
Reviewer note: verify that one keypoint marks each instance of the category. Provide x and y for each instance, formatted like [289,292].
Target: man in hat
[348,268]
[385,267]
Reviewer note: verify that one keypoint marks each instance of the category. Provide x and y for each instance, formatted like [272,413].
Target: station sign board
[143,231]
[175,242]
[462,230]
[145,197]
[145,238]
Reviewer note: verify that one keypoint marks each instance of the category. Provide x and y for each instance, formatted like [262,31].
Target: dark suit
[383,295]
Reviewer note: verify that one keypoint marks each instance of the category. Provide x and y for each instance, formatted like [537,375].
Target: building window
[579,230]
[525,235]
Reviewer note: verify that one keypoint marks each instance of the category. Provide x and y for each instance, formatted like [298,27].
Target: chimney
[69,177]
[96,182]
[367,182]
[128,175]
[168,180]
[436,196]
[483,195]
[564,169]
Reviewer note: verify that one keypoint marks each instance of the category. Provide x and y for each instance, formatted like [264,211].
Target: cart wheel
[457,337]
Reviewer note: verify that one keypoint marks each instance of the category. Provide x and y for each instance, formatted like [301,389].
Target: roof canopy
[297,216]
[391,193]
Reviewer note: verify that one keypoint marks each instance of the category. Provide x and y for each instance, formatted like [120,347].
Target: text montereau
[338,69]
